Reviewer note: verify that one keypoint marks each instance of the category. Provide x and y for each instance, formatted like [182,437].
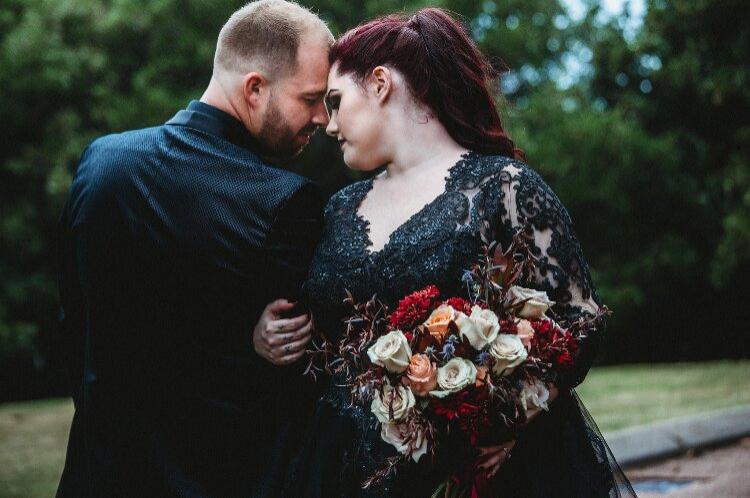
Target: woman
[411,94]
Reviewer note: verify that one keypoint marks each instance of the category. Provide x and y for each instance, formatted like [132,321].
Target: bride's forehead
[339,81]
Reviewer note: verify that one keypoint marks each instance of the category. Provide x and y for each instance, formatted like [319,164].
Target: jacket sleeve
[292,240]
[561,268]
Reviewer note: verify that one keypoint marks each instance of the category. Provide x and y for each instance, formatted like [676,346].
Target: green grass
[625,396]
[33,435]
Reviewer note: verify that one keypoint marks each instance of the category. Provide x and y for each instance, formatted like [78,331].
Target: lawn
[630,395]
[33,434]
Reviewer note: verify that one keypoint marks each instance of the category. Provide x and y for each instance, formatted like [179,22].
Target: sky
[637,9]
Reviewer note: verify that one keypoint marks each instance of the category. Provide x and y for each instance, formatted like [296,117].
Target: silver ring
[287,348]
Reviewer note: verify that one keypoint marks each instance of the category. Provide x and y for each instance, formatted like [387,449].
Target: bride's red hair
[443,67]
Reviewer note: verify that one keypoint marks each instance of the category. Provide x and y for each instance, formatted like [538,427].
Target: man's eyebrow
[314,93]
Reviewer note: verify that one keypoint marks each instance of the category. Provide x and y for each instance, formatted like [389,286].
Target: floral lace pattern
[484,196]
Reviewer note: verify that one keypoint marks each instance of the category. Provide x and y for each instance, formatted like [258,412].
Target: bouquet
[455,371]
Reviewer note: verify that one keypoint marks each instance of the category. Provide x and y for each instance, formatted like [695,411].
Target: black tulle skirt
[560,454]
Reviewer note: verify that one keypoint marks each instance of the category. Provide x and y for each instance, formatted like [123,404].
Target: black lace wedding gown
[561,453]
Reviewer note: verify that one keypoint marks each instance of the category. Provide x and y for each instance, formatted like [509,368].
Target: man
[173,240]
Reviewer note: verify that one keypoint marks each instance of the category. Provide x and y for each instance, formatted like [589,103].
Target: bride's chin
[359,163]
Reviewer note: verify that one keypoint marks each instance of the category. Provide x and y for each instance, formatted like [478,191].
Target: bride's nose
[332,129]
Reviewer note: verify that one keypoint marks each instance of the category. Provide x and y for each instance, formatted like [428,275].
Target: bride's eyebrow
[330,91]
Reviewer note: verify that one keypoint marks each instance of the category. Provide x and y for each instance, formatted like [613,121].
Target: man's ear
[254,90]
[381,80]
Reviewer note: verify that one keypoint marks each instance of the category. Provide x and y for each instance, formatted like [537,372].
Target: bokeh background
[636,113]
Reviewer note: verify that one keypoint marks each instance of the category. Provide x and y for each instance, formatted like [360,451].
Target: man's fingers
[286,360]
[293,347]
[288,324]
[281,339]
[279,306]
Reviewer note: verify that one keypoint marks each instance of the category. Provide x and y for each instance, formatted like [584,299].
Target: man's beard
[277,139]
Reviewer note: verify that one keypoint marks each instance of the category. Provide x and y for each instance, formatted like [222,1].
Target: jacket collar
[209,119]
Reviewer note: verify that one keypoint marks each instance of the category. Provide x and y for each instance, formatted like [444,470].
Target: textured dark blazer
[173,240]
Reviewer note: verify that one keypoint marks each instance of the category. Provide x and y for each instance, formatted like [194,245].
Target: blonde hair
[265,36]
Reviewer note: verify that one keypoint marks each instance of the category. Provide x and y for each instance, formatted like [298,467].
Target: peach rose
[439,320]
[525,332]
[421,375]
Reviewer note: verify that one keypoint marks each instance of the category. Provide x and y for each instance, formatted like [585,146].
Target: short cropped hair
[265,36]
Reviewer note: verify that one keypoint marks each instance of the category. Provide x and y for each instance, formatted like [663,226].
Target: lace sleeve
[561,269]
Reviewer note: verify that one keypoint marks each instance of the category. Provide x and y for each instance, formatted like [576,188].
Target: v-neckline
[368,250]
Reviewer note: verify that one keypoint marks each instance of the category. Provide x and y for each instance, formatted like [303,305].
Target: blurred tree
[684,79]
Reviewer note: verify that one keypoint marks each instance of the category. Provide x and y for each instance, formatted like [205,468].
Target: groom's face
[295,105]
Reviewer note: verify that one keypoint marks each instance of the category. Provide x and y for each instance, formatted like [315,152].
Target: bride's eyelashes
[332,102]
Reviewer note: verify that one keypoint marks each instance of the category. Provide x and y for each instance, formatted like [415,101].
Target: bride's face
[357,121]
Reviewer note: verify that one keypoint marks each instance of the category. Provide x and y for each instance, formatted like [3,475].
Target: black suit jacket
[173,240]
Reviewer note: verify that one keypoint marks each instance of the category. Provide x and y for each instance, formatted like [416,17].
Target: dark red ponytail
[443,67]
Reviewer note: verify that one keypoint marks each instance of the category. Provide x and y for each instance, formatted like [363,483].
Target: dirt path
[717,473]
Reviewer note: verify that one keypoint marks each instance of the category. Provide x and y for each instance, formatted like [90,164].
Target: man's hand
[281,341]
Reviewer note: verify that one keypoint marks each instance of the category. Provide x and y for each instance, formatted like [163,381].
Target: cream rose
[421,375]
[536,305]
[525,332]
[397,400]
[438,321]
[481,328]
[391,352]
[508,352]
[534,395]
[454,376]
[396,434]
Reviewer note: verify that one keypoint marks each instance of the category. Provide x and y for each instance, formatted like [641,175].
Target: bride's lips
[341,143]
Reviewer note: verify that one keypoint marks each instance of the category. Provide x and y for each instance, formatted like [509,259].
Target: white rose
[397,400]
[481,328]
[508,352]
[534,395]
[537,302]
[391,351]
[454,376]
[396,434]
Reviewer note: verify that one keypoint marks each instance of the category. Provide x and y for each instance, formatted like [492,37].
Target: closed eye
[332,102]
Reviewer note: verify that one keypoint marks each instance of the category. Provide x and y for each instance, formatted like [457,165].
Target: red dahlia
[459,304]
[414,308]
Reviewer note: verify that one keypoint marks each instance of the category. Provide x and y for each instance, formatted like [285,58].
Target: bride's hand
[493,457]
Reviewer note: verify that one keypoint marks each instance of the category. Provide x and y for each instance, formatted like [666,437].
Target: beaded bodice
[483,195]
